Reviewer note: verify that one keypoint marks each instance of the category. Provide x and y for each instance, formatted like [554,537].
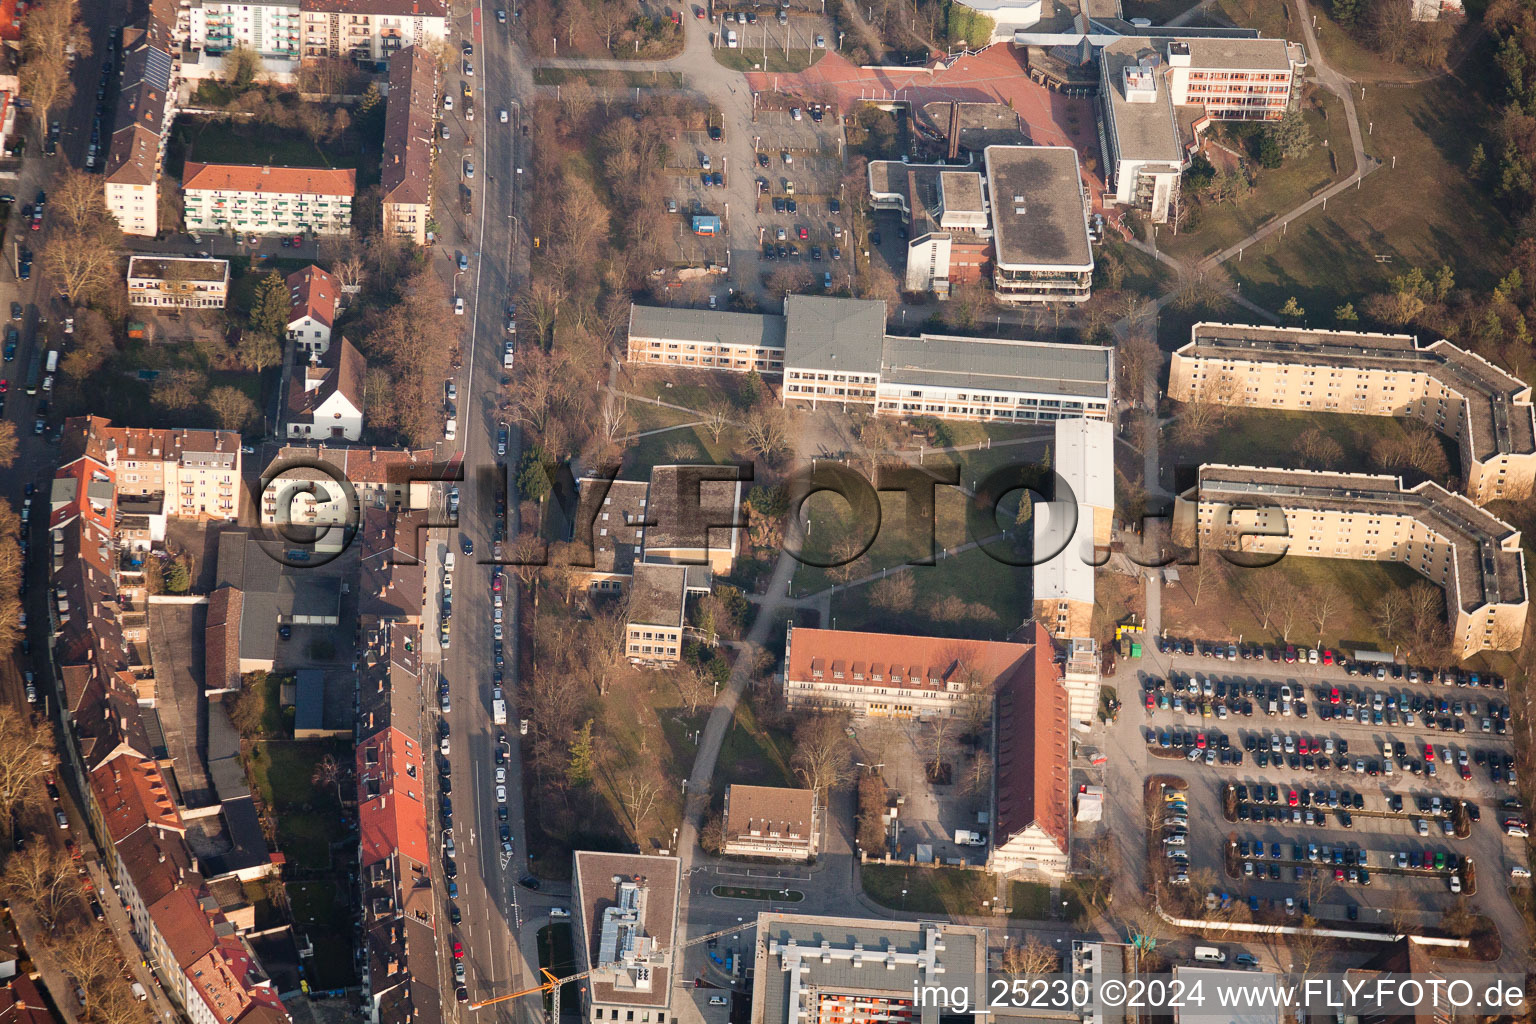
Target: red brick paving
[995,75]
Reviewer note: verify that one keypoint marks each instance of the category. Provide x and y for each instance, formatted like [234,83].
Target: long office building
[268,200]
[1472,554]
[1460,394]
[836,351]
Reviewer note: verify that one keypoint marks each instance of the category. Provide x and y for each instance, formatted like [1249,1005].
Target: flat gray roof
[1031,366]
[1038,219]
[657,593]
[1143,131]
[826,333]
[707,326]
[1238,54]
[962,190]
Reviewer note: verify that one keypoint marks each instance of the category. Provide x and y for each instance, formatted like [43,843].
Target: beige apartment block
[1486,410]
[409,120]
[1472,554]
[770,821]
[653,628]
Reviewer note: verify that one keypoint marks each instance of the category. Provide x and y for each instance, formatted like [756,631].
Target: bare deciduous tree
[639,791]
[821,758]
[717,417]
[26,754]
[1027,959]
[1326,602]
[43,878]
[695,685]
[766,432]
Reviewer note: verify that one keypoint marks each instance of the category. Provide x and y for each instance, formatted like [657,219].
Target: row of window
[645,1015]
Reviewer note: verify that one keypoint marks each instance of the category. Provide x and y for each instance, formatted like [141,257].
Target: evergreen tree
[1346,12]
[1292,309]
[751,390]
[583,757]
[269,308]
[1346,314]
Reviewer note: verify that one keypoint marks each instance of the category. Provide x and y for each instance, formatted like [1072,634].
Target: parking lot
[1347,789]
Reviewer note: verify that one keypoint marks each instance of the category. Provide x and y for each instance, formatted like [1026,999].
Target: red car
[1200,740]
[458,950]
[298,240]
[1292,799]
[1151,701]
[1333,696]
[496,584]
[5,385]
[1429,752]
[698,12]
[1290,654]
[802,234]
[1327,656]
[1301,746]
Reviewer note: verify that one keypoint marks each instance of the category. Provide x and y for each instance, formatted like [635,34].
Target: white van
[448,561]
[730,38]
[1210,955]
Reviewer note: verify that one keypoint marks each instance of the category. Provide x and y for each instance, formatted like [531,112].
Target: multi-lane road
[498,917]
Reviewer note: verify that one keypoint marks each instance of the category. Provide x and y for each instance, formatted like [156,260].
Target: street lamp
[903,899]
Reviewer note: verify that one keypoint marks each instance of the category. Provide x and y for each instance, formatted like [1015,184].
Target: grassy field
[610,79]
[306,814]
[1276,191]
[993,600]
[755,59]
[948,891]
[1157,11]
[1229,608]
[758,755]
[1262,437]
[1031,901]
[222,142]
[1422,213]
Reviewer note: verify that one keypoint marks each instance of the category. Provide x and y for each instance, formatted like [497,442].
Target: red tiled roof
[391,808]
[131,794]
[258,178]
[313,293]
[20,1001]
[1031,745]
[185,925]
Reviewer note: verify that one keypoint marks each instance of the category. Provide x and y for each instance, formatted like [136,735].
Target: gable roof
[269,180]
[314,293]
[408,118]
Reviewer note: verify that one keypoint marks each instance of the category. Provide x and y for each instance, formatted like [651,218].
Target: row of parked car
[1175,827]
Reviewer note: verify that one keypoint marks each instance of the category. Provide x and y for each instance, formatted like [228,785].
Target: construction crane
[554,984]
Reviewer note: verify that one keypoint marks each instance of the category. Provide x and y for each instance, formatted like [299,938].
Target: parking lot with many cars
[1333,786]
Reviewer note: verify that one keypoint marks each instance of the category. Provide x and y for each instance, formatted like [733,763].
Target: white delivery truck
[1210,955]
[965,837]
[498,707]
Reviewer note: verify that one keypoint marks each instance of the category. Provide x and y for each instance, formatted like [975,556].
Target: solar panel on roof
[157,69]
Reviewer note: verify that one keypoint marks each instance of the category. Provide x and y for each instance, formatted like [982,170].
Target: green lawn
[737,892]
[1275,191]
[948,891]
[755,59]
[754,754]
[683,445]
[1031,901]
[655,417]
[306,814]
[1422,213]
[1263,437]
[248,142]
[994,600]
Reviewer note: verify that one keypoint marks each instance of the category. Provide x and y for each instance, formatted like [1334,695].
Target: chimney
[162,856]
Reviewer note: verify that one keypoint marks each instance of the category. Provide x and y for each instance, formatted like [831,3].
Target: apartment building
[626,930]
[707,339]
[1231,79]
[771,821]
[409,119]
[393,579]
[314,298]
[270,27]
[141,126]
[178,282]
[196,471]
[1041,251]
[1072,531]
[814,969]
[1460,394]
[325,396]
[304,483]
[204,964]
[370,29]
[265,200]
[396,840]
[1473,555]
[948,218]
